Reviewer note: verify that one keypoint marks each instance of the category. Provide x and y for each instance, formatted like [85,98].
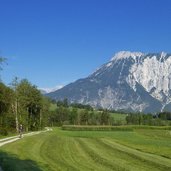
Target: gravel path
[15,138]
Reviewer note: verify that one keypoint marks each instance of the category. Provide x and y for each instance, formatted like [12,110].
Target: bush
[96,128]
[3,131]
[112,128]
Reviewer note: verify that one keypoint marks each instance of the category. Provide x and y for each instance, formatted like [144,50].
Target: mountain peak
[163,54]
[126,54]
[132,81]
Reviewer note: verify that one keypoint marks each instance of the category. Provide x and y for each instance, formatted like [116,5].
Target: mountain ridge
[133,81]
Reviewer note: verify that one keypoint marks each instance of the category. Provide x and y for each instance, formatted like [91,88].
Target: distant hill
[131,81]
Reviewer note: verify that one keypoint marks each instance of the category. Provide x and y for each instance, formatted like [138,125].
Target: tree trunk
[40,120]
[16,116]
[15,111]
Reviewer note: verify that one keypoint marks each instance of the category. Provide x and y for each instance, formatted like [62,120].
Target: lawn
[53,107]
[119,116]
[140,149]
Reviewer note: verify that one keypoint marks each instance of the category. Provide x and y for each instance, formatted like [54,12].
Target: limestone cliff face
[130,80]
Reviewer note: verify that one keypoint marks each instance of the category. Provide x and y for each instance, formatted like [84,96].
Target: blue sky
[54,42]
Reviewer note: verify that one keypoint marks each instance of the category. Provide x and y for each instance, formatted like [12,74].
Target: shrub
[96,128]
[3,131]
[112,128]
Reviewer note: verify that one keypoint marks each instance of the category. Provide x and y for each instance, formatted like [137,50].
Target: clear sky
[54,42]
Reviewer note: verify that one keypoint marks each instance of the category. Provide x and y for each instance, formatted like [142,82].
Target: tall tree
[105,117]
[73,116]
[30,101]
[84,116]
[15,104]
[6,98]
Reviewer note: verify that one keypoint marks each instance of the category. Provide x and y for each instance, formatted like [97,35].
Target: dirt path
[15,138]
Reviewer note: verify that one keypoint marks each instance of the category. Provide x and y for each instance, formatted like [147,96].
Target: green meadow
[132,150]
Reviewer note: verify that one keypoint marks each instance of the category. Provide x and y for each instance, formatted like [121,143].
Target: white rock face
[154,74]
[151,71]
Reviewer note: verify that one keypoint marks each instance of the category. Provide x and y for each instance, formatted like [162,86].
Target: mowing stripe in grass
[99,159]
[158,162]
[67,150]
[54,152]
[85,161]
[121,158]
[116,157]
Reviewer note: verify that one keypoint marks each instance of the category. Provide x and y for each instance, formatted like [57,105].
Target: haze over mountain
[131,81]
[50,90]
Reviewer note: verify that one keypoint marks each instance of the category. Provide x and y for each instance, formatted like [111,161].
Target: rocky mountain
[131,81]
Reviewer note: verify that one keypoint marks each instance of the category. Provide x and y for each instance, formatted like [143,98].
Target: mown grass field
[140,149]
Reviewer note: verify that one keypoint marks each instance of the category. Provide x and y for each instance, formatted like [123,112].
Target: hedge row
[112,128]
[96,128]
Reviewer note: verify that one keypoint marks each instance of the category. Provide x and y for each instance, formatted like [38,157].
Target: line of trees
[160,119]
[78,114]
[22,103]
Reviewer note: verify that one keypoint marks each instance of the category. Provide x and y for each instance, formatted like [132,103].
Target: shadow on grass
[10,162]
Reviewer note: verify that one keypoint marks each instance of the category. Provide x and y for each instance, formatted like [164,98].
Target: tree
[84,116]
[6,98]
[61,115]
[105,117]
[65,102]
[73,116]
[45,113]
[30,104]
[15,103]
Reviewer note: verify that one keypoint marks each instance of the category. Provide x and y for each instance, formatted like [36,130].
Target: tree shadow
[10,162]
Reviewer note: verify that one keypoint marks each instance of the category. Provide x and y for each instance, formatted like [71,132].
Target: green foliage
[52,107]
[63,103]
[77,116]
[104,118]
[81,106]
[22,104]
[83,115]
[96,128]
[164,115]
[30,100]
[73,116]
[3,131]
[143,119]
[6,98]
[113,128]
